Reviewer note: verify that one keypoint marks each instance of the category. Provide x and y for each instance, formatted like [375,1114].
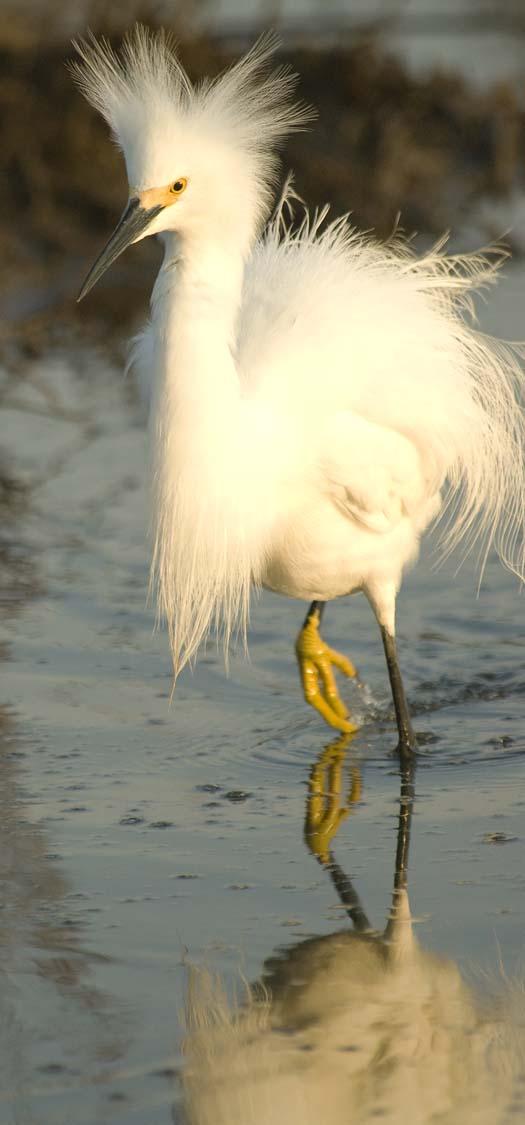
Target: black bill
[132,223]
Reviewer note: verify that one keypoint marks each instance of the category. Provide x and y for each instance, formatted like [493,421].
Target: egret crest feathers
[147,98]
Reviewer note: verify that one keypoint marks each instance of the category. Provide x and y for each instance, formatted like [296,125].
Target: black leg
[316,607]
[407,738]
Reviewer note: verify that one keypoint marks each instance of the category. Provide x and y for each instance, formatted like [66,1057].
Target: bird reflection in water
[359,1025]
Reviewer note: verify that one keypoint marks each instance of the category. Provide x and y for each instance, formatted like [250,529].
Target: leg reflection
[326,809]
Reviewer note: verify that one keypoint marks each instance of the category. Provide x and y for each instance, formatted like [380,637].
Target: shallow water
[138,837]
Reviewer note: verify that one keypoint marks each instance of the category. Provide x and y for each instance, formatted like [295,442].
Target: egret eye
[179,186]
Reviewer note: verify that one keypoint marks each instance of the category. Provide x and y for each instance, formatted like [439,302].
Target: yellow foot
[315,660]
[325,806]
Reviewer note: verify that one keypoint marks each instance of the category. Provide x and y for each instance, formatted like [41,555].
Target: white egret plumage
[316,395]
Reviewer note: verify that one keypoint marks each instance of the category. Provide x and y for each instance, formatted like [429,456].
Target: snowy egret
[318,398]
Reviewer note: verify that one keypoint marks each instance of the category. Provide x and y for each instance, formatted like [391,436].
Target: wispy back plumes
[428,374]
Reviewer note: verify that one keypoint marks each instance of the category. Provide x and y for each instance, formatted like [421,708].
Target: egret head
[200,159]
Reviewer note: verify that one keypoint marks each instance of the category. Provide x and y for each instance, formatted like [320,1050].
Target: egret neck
[206,525]
[195,304]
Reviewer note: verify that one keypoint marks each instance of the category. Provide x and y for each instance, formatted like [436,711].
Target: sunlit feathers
[151,105]
[316,395]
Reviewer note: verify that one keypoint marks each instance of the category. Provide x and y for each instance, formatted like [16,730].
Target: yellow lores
[161,196]
[315,659]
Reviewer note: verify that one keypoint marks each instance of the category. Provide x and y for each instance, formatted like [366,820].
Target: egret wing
[373,474]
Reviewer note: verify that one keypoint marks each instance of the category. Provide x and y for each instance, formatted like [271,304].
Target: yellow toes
[342,662]
[316,662]
[329,692]
[334,711]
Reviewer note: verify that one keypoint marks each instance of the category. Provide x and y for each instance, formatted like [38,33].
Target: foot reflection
[360,1024]
[326,809]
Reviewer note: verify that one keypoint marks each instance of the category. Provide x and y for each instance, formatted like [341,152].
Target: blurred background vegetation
[426,143]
